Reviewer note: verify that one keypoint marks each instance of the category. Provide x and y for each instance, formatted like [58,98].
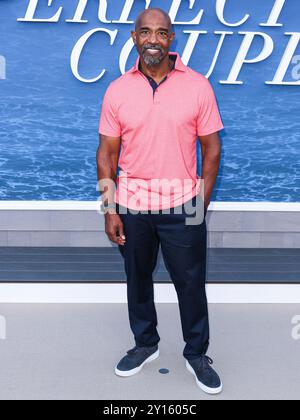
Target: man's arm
[107,165]
[211,156]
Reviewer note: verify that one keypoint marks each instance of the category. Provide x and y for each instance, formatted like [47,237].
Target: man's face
[153,39]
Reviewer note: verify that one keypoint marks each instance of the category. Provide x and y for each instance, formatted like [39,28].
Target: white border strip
[250,206]
[51,205]
[95,206]
[164,293]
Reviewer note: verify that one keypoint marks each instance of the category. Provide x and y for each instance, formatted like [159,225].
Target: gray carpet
[69,352]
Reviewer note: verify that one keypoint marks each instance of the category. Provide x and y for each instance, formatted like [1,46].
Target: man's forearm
[210,169]
[107,177]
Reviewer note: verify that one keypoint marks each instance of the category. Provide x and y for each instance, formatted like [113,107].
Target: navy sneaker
[206,378]
[135,359]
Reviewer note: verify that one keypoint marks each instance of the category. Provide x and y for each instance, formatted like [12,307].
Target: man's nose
[153,38]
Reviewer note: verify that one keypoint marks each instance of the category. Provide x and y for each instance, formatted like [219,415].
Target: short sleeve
[109,124]
[209,119]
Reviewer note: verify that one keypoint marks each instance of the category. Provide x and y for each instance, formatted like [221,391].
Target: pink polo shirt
[158,160]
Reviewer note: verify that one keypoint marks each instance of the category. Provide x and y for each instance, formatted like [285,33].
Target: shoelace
[132,351]
[135,350]
[206,362]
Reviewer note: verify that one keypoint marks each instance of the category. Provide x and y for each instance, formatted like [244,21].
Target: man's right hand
[114,228]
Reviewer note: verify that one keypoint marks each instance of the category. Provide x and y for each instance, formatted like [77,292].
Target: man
[155,111]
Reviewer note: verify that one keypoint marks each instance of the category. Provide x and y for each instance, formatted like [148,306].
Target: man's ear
[133,36]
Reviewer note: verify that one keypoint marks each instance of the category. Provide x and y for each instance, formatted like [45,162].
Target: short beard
[152,61]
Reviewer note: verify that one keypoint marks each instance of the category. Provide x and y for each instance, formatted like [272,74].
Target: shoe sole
[134,371]
[204,388]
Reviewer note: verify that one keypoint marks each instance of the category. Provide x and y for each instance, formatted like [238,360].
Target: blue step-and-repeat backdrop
[57,58]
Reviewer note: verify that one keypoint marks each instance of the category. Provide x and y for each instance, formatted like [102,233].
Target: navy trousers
[184,252]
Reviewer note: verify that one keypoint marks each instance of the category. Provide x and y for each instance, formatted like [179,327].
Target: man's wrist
[110,212]
[109,208]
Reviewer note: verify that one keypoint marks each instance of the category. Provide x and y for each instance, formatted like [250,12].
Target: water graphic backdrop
[49,119]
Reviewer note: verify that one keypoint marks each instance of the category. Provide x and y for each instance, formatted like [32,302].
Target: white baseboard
[260,206]
[164,293]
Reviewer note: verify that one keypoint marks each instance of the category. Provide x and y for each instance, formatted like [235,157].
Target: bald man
[156,111]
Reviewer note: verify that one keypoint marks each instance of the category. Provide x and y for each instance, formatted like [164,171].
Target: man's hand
[114,228]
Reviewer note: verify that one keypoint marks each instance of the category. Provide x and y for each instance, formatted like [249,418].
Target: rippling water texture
[49,120]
